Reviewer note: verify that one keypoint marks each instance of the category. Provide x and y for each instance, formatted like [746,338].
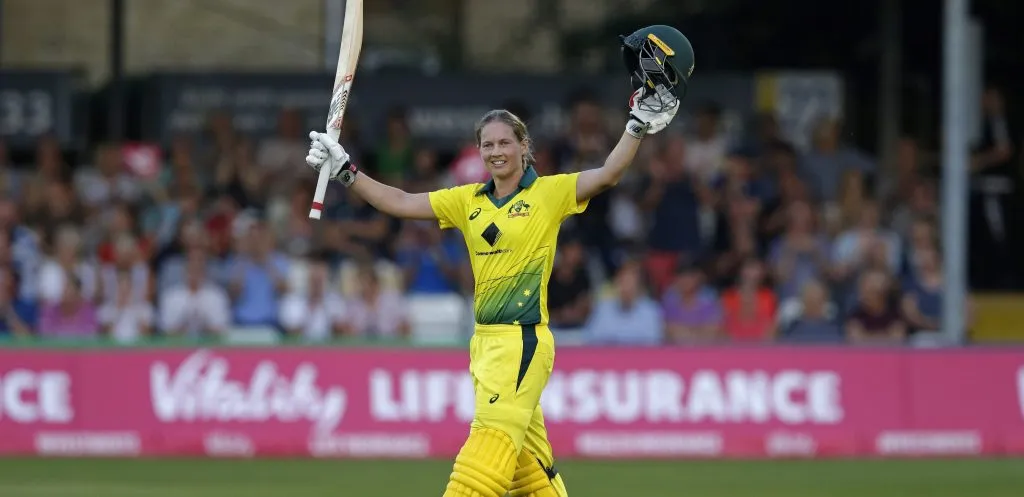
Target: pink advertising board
[630,403]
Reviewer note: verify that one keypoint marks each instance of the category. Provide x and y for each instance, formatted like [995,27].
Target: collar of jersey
[529,176]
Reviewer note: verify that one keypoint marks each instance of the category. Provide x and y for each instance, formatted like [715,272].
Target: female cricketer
[510,225]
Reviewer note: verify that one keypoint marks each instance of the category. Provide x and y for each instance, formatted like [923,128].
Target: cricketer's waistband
[509,329]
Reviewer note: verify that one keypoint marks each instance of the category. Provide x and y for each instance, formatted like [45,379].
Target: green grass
[341,478]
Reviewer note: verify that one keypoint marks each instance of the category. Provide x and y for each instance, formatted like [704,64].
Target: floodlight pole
[955,164]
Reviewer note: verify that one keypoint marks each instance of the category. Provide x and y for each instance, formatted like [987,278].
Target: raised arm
[324,151]
[643,120]
[393,201]
[594,181]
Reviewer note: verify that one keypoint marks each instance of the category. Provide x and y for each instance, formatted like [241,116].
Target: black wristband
[347,176]
[636,128]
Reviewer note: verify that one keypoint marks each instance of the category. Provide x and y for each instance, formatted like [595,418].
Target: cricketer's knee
[485,465]
[533,479]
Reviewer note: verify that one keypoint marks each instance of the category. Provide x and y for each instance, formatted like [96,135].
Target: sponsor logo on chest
[519,209]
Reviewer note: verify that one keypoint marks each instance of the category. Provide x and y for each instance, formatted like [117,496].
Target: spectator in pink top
[71,316]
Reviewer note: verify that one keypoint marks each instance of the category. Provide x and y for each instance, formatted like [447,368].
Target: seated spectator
[569,289]
[360,231]
[293,228]
[17,315]
[23,247]
[61,207]
[824,164]
[750,306]
[197,306]
[922,204]
[691,313]
[775,213]
[707,145]
[191,239]
[395,154]
[120,223]
[126,318]
[735,239]
[812,318]
[162,220]
[630,317]
[72,315]
[318,313]
[800,254]
[922,294]
[127,261]
[374,312]
[741,179]
[909,166]
[875,319]
[49,168]
[238,176]
[67,260]
[875,258]
[922,237]
[107,182]
[258,276]
[220,221]
[852,245]
[424,176]
[276,155]
[432,260]
[672,199]
[845,210]
[182,173]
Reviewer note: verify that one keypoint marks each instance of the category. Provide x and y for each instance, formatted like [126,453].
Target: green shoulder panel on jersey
[513,299]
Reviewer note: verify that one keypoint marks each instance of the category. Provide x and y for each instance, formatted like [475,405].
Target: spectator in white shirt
[630,317]
[277,155]
[128,262]
[67,259]
[375,312]
[852,247]
[197,306]
[706,149]
[317,313]
[109,181]
[126,318]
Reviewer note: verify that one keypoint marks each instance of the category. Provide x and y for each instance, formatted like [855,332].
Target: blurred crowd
[709,238]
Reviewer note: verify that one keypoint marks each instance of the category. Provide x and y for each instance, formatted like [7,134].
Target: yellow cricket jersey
[511,242]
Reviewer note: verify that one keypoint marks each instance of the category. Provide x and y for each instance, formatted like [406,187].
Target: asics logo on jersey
[519,209]
[475,213]
[493,399]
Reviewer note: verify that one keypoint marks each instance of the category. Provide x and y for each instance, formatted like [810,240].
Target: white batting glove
[644,122]
[325,151]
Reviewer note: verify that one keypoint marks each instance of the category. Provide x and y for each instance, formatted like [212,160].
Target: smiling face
[500,149]
[504,144]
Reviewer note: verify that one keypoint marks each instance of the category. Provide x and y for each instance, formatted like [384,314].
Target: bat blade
[348,58]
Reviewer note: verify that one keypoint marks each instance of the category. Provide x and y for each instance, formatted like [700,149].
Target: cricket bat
[348,56]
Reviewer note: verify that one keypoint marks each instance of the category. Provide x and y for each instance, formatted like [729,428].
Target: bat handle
[321,191]
[324,179]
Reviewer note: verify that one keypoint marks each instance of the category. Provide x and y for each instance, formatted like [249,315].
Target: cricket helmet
[660,58]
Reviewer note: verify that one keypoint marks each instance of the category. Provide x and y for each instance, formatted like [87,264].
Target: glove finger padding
[333,147]
[635,98]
